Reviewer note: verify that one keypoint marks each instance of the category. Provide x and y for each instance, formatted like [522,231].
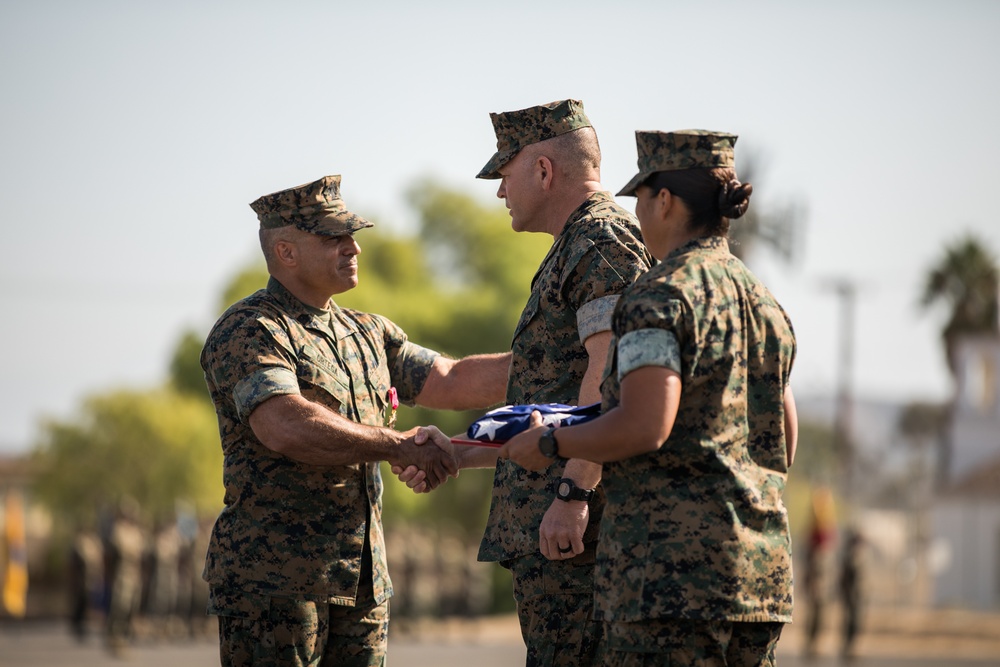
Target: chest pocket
[325,377]
[529,312]
[378,383]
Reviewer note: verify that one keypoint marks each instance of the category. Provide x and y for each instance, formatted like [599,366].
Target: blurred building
[966,514]
[975,427]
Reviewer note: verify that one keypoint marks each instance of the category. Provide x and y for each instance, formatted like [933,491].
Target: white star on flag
[554,419]
[489,428]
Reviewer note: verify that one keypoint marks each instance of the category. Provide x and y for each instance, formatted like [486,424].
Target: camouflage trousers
[555,602]
[265,631]
[664,642]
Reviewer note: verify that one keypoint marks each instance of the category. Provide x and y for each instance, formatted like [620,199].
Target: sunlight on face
[519,191]
[329,263]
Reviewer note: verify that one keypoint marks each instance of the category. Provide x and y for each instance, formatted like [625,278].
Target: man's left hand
[561,534]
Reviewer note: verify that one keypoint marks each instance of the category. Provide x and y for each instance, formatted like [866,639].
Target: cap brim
[492,168]
[630,187]
[335,225]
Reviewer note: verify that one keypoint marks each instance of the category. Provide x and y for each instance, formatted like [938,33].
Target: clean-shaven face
[329,263]
[521,191]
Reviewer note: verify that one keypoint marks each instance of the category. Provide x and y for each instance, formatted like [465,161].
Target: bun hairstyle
[713,195]
[734,198]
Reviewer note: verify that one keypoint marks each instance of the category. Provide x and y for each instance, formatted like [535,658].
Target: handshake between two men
[425,459]
[511,432]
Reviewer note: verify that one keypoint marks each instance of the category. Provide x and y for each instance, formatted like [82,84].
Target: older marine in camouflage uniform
[304,394]
[697,430]
[549,161]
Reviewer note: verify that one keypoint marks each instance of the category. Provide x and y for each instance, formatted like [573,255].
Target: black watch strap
[547,444]
[567,490]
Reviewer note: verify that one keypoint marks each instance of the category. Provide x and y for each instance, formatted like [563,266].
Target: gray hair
[270,237]
[575,153]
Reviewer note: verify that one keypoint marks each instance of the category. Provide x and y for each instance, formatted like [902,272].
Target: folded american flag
[498,426]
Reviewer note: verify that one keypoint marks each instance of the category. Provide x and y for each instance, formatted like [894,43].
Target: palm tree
[965,280]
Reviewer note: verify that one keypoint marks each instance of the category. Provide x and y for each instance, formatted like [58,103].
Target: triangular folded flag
[498,426]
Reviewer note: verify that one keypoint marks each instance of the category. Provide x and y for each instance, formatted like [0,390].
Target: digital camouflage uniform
[296,561]
[694,551]
[573,294]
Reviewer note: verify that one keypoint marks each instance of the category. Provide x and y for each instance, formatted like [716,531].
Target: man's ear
[286,252]
[543,167]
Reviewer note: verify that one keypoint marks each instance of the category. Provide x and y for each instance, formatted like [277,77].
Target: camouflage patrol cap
[517,129]
[314,207]
[684,149]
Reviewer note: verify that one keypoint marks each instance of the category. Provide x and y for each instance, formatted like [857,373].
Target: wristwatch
[547,444]
[568,490]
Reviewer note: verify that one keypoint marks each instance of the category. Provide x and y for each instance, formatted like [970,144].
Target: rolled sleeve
[648,347]
[261,385]
[248,358]
[595,316]
[410,370]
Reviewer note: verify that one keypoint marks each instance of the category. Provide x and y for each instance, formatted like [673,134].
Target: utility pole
[843,435]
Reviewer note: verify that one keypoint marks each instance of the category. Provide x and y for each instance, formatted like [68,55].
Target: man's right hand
[424,468]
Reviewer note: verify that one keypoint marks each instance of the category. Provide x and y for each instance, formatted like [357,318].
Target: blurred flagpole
[15,575]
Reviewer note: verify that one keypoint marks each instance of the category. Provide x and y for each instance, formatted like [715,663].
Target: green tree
[186,375]
[964,280]
[246,281]
[158,446]
[779,227]
[457,285]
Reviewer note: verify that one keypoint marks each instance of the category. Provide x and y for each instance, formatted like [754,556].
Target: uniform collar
[710,244]
[570,227]
[323,319]
[598,197]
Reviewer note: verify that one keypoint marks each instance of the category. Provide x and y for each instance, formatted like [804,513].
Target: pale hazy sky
[133,135]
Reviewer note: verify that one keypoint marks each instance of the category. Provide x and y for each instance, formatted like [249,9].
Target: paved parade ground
[895,638]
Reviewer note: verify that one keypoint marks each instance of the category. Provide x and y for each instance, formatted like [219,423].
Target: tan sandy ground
[893,638]
[887,632]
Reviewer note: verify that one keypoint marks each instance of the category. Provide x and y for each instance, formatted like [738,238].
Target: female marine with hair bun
[697,431]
